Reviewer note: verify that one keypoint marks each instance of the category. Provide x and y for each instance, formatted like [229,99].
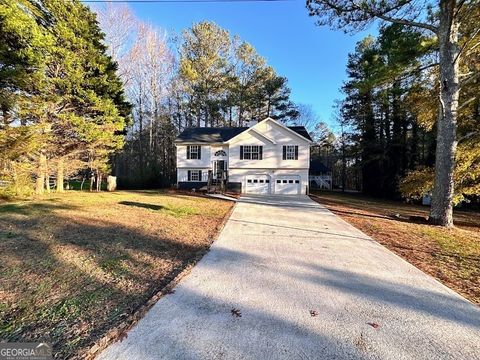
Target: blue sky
[313,58]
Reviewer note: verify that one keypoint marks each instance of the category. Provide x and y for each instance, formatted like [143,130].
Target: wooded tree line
[412,98]
[379,109]
[202,77]
[62,108]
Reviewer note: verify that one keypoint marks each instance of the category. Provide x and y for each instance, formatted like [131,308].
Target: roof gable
[225,134]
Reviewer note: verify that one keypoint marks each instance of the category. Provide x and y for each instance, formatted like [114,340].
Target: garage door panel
[288,185]
[257,185]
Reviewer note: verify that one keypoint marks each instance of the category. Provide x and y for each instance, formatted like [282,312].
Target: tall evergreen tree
[73,100]
[443,19]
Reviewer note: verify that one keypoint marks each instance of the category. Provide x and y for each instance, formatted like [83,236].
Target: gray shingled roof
[222,134]
[208,134]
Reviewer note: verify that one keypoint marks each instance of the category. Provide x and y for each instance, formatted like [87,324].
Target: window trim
[220,153]
[197,153]
[198,174]
[290,152]
[251,152]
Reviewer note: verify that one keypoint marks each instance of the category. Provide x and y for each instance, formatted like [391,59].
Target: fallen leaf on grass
[236,312]
[374,325]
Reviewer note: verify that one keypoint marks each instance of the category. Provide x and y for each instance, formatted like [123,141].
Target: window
[249,181]
[251,152]
[290,152]
[255,181]
[279,181]
[290,181]
[220,153]
[261,181]
[297,182]
[194,175]
[267,181]
[194,152]
[284,181]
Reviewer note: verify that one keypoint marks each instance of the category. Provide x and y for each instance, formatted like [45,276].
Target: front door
[219,166]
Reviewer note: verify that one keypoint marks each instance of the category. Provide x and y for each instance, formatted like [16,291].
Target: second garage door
[287,185]
[258,184]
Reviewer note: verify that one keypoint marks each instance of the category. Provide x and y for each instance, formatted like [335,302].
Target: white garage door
[287,185]
[257,184]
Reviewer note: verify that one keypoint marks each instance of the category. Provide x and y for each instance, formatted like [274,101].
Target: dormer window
[194,152]
[220,153]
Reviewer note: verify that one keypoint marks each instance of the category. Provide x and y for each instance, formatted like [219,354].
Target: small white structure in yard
[320,176]
[267,158]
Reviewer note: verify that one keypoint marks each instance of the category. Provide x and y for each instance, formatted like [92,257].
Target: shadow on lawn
[74,278]
[142,205]
[29,208]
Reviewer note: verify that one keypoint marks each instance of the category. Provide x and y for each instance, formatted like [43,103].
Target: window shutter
[296,152]
[189,175]
[188,154]
[260,152]
[199,152]
[284,152]
[241,152]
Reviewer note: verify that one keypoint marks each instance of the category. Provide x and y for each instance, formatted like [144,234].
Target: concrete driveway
[280,260]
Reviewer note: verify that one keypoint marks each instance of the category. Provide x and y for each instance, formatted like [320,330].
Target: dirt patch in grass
[74,266]
[450,255]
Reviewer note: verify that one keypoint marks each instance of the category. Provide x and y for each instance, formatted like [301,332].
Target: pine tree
[443,19]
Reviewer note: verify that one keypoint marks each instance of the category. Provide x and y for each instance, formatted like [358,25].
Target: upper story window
[194,152]
[290,152]
[220,153]
[251,152]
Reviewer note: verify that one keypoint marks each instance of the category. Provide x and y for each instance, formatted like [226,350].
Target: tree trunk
[140,131]
[60,171]
[40,182]
[99,181]
[47,177]
[441,211]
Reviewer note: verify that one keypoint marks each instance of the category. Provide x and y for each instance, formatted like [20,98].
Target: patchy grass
[450,255]
[74,266]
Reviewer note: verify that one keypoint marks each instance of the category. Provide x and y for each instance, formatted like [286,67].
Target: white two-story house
[266,158]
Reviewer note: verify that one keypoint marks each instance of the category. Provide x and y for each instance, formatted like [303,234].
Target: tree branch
[416,70]
[469,135]
[465,103]
[466,43]
[469,79]
[432,28]
[473,48]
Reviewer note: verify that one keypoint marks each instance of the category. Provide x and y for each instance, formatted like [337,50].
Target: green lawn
[74,266]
